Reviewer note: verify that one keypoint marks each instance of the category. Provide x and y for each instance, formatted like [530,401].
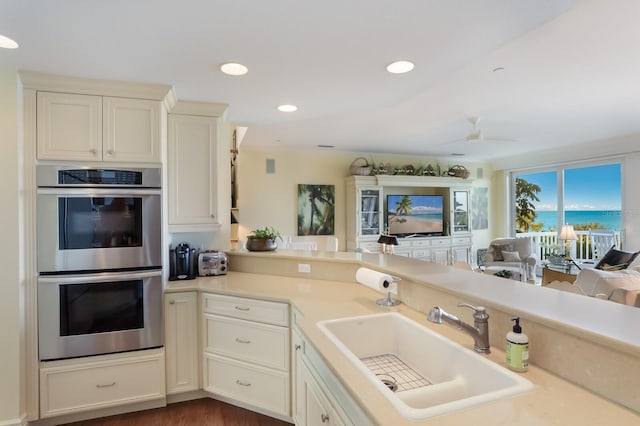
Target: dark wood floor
[199,412]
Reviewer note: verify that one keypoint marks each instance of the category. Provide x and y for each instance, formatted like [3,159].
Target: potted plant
[263,239]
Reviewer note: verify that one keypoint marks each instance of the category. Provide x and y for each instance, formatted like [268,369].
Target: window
[587,197]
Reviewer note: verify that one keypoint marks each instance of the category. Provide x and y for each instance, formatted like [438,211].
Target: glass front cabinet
[460,207]
[369,212]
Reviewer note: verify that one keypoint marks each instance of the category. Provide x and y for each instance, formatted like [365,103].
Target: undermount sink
[420,372]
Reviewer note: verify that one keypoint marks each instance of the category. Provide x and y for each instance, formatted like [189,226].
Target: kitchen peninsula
[568,352]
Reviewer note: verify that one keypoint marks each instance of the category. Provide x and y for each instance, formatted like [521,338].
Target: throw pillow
[499,248]
[511,256]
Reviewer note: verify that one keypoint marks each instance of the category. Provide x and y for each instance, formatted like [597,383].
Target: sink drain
[388,381]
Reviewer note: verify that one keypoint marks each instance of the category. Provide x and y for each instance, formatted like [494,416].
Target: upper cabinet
[79,119]
[97,128]
[196,150]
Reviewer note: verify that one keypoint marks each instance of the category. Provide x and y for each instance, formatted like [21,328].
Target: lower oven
[94,314]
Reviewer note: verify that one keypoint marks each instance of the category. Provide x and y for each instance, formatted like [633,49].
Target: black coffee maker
[183,262]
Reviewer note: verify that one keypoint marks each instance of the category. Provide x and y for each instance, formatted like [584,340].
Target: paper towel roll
[376,280]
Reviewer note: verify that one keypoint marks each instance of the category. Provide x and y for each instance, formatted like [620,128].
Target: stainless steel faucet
[479,331]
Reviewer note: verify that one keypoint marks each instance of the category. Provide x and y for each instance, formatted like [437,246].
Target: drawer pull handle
[324,418]
[241,383]
[243,308]
[239,340]
[106,386]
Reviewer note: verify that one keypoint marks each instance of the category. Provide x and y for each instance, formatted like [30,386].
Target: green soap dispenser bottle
[517,348]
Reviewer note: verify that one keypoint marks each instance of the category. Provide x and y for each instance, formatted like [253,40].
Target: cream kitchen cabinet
[193,167]
[181,342]
[318,397]
[318,410]
[82,127]
[77,385]
[246,349]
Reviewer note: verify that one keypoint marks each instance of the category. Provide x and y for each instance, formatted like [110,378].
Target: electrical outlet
[304,267]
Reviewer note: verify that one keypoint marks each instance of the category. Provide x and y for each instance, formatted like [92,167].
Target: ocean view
[609,219]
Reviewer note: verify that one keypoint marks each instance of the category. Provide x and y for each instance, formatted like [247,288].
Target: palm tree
[526,192]
[403,207]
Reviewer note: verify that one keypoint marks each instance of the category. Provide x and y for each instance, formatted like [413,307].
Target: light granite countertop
[553,401]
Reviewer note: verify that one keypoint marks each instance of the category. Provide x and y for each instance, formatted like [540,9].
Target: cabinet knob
[297,347]
[172,302]
[110,152]
[324,418]
[93,151]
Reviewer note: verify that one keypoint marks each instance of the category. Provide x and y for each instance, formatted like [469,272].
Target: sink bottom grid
[387,366]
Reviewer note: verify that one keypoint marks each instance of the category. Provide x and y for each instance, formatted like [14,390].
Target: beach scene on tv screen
[414,214]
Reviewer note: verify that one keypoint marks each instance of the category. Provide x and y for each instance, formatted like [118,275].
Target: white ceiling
[571,68]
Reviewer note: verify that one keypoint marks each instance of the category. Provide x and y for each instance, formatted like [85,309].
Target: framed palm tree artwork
[316,209]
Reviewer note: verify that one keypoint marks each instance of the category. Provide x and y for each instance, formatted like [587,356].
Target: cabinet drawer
[248,383]
[421,253]
[245,308]
[461,241]
[440,242]
[263,344]
[420,243]
[372,246]
[92,385]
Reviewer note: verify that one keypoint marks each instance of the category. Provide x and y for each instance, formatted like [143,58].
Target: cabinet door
[460,254]
[440,255]
[318,411]
[69,127]
[181,342]
[192,178]
[131,130]
[460,207]
[369,212]
[297,394]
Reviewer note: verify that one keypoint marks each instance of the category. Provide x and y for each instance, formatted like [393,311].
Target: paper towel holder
[388,301]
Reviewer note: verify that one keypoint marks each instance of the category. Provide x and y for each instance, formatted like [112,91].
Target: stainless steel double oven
[99,260]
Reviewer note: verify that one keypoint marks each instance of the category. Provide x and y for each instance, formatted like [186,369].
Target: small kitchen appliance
[212,262]
[182,262]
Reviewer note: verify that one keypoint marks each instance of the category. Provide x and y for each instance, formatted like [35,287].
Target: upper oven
[98,219]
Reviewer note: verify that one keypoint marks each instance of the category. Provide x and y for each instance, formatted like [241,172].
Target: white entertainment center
[367,215]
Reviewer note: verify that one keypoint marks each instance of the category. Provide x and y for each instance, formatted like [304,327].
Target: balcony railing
[580,249]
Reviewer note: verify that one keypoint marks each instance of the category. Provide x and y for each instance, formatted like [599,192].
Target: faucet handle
[480,311]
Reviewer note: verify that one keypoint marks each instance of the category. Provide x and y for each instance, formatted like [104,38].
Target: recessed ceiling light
[7,43]
[233,68]
[287,108]
[400,67]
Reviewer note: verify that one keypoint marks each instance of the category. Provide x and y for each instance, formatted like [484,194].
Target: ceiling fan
[476,135]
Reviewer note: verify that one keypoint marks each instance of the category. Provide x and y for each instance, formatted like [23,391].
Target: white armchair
[514,253]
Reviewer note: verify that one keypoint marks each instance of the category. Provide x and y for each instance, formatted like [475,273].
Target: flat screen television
[415,215]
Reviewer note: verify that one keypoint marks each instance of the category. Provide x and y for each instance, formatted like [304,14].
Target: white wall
[11,370]
[271,199]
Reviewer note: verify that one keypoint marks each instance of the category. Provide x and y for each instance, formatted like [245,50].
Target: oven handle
[99,277]
[103,192]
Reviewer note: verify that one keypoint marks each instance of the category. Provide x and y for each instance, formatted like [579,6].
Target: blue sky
[586,188]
